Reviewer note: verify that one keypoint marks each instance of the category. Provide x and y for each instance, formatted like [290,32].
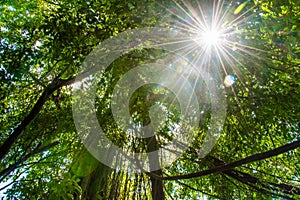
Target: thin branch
[21,160]
[272,175]
[226,167]
[197,190]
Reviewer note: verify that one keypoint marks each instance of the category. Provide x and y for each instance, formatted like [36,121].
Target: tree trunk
[157,191]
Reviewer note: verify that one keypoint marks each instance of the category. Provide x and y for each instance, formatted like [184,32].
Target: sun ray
[222,17]
[202,15]
[242,15]
[217,13]
[229,58]
[247,50]
[181,20]
[236,70]
[193,47]
[200,21]
[222,62]
[188,14]
[252,48]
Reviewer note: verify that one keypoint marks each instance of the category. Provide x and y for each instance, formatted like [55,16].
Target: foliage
[43,44]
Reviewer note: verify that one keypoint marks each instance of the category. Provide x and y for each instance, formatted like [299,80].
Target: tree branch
[226,167]
[21,160]
[198,190]
[18,131]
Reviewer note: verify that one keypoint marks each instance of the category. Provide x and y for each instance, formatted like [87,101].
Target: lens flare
[229,80]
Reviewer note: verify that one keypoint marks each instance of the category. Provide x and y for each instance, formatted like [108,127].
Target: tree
[43,46]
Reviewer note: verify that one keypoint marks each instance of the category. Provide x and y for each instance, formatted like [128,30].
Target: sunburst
[214,30]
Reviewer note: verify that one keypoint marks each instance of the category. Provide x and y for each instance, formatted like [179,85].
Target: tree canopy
[250,56]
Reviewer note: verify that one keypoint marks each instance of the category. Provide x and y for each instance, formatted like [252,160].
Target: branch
[252,182]
[18,131]
[226,167]
[198,190]
[21,160]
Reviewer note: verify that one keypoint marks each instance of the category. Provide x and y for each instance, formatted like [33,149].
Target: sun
[211,37]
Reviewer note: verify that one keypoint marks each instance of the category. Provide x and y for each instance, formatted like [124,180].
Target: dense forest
[150,99]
